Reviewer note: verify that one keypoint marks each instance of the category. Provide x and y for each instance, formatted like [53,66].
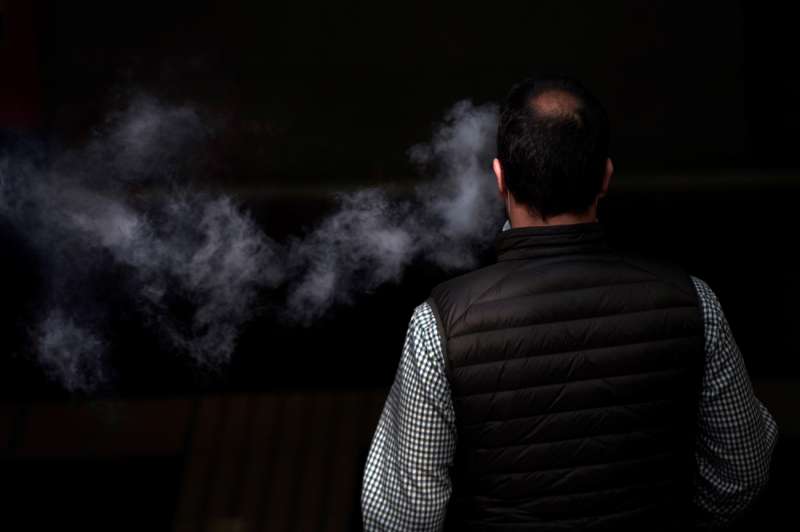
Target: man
[566,386]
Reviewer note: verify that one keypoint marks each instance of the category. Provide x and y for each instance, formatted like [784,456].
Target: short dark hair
[552,142]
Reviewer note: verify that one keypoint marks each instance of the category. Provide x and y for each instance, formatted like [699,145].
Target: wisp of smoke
[369,240]
[177,247]
[69,353]
[122,204]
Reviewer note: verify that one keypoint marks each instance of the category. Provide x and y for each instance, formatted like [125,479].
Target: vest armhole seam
[437,317]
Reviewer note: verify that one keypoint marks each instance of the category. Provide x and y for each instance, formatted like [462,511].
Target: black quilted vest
[574,372]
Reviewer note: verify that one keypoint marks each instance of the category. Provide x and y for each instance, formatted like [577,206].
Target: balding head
[552,146]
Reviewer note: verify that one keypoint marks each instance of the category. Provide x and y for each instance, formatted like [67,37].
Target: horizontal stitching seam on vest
[577,521]
[605,515]
[636,485]
[583,466]
[589,255]
[565,353]
[511,390]
[567,440]
[498,329]
[570,411]
[546,292]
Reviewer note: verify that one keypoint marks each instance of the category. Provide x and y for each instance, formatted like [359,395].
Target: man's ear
[498,172]
[607,177]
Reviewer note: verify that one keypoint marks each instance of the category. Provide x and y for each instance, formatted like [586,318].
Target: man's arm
[736,434]
[406,479]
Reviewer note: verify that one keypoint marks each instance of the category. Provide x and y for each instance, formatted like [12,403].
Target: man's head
[552,151]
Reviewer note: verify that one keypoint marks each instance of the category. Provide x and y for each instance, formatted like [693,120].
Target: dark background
[316,97]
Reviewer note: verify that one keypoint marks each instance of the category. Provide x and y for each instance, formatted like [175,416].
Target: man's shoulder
[466,287]
[665,270]
[449,298]
[482,277]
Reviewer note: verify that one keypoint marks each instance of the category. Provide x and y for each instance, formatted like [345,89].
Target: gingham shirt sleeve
[407,476]
[736,433]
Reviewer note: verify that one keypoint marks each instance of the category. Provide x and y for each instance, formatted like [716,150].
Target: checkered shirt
[407,484]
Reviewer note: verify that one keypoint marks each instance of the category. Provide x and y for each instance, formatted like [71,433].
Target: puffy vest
[575,374]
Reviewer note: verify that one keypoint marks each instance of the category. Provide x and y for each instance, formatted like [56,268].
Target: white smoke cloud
[203,250]
[364,244]
[123,203]
[462,201]
[370,240]
[172,243]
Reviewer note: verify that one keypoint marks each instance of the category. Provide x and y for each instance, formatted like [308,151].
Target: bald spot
[556,104]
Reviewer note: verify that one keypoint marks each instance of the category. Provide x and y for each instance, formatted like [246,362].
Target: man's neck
[524,218]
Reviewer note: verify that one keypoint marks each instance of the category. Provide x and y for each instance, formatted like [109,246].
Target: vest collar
[547,241]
